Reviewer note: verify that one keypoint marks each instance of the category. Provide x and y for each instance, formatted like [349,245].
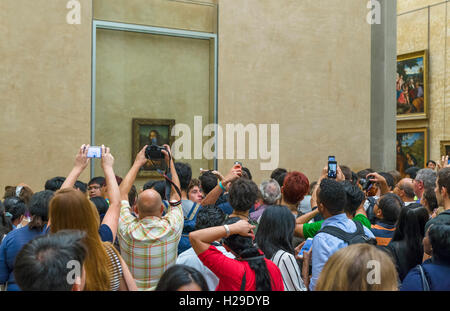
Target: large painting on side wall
[412,148]
[411,86]
[147,132]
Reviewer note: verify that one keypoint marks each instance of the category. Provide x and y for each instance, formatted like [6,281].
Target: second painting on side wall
[445,148]
[412,148]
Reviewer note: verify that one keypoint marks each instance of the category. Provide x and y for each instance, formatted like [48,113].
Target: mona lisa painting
[412,146]
[148,132]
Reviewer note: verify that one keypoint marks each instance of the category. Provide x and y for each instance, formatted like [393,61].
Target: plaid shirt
[149,245]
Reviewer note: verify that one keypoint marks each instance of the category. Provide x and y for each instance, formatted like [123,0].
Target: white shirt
[367,203]
[409,203]
[190,258]
[290,271]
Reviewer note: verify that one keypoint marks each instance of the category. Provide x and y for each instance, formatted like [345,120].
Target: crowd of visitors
[362,230]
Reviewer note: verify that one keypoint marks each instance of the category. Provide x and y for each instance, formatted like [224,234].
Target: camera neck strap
[168,178]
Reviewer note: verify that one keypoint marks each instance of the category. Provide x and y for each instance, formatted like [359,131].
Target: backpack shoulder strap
[341,234]
[193,211]
[359,228]
[336,232]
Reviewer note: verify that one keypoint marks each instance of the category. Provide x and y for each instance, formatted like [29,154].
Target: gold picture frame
[445,148]
[412,86]
[141,133]
[412,148]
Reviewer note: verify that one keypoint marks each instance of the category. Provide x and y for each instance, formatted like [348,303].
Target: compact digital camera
[366,183]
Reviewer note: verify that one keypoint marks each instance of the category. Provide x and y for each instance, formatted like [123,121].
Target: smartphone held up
[332,167]
[94,152]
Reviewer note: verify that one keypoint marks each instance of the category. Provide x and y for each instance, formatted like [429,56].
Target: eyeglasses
[93,188]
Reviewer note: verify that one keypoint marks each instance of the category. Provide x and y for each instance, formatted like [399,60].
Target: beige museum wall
[187,15]
[304,65]
[278,63]
[419,31]
[45,89]
[45,80]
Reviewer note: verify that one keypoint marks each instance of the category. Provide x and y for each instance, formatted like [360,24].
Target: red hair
[295,187]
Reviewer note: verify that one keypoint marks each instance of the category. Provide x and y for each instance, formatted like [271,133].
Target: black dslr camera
[366,183]
[153,152]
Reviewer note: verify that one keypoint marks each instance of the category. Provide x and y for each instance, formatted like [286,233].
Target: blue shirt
[10,247]
[437,274]
[324,245]
[104,231]
[226,208]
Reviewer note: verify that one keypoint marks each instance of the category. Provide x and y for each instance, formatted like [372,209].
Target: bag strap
[168,177]
[193,211]
[371,200]
[341,234]
[425,285]
[359,228]
[336,232]
[370,213]
[243,282]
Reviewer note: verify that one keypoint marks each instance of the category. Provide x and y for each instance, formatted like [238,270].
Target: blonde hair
[70,209]
[349,270]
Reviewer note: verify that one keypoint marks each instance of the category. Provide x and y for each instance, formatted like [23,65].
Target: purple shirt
[256,214]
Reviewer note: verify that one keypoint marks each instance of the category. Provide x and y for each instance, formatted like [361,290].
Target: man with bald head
[405,190]
[149,242]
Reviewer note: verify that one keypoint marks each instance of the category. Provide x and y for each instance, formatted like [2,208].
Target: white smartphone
[94,152]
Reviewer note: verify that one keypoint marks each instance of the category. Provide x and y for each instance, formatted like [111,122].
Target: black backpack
[350,238]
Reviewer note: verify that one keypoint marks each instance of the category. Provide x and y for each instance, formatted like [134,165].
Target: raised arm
[214,194]
[300,221]
[381,181]
[127,182]
[111,218]
[174,196]
[361,210]
[442,163]
[202,239]
[81,162]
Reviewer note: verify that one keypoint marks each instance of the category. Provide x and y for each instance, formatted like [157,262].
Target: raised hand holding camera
[107,158]
[380,180]
[141,159]
[81,159]
[80,164]
[156,154]
[234,173]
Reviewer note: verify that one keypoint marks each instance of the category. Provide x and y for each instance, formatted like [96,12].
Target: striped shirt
[383,233]
[149,245]
[114,268]
[290,271]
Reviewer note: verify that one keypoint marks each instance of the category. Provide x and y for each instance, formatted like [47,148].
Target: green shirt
[310,230]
